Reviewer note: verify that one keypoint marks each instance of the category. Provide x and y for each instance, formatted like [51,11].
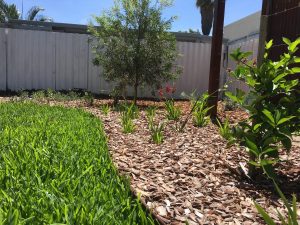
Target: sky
[81,12]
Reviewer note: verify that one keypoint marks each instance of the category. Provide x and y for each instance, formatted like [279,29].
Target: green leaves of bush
[273,104]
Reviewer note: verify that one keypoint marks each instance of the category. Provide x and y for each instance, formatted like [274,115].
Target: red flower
[168,89]
[161,92]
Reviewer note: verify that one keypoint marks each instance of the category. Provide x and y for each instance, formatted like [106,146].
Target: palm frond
[32,13]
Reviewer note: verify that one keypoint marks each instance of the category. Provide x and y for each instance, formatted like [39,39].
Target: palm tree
[10,12]
[207,14]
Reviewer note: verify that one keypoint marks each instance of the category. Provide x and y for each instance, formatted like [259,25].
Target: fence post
[216,56]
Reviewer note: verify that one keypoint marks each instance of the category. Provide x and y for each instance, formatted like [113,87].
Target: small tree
[134,46]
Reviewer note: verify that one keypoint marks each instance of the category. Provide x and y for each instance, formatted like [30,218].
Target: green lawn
[55,168]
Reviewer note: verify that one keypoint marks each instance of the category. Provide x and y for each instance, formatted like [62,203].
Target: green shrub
[200,111]
[173,112]
[273,104]
[55,168]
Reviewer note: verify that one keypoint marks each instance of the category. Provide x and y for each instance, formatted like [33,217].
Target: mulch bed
[193,176]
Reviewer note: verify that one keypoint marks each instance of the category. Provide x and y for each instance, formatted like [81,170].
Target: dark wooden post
[263,33]
[216,55]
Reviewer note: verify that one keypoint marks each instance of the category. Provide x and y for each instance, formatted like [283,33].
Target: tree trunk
[135,93]
[207,15]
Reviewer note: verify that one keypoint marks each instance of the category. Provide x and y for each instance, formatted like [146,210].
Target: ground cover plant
[55,168]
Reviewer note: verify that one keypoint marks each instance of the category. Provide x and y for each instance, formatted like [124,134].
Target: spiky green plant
[127,123]
[291,211]
[157,132]
[173,112]
[201,110]
[225,129]
[105,109]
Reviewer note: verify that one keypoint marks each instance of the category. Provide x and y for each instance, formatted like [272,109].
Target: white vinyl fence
[36,59]
[247,44]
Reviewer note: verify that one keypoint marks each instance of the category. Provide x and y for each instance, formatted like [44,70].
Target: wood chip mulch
[193,176]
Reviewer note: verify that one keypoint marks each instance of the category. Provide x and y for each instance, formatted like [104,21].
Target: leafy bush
[274,105]
[134,46]
[173,112]
[201,110]
[55,168]
[105,109]
[291,210]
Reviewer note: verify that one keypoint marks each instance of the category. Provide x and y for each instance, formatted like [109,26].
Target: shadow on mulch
[289,185]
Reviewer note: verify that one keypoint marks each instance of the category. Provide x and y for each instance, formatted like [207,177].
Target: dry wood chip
[193,176]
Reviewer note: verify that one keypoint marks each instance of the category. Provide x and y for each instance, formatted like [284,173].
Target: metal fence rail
[247,44]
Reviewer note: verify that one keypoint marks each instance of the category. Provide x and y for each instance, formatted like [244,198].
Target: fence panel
[31,60]
[195,62]
[63,61]
[3,61]
[71,61]
[251,45]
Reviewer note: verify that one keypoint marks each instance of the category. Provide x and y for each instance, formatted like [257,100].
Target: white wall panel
[31,60]
[63,61]
[3,59]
